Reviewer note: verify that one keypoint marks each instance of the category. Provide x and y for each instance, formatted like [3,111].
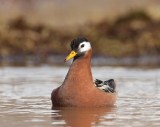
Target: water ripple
[25,99]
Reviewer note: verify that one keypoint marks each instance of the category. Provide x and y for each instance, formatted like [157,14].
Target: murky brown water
[25,99]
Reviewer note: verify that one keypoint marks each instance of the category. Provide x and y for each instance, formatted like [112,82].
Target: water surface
[25,98]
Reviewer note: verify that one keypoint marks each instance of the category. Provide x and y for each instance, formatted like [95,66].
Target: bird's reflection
[82,117]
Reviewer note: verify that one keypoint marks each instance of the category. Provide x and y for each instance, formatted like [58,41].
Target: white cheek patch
[86,47]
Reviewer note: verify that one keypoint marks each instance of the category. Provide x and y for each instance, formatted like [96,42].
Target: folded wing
[107,86]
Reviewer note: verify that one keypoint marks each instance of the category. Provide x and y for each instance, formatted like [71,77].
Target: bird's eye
[82,45]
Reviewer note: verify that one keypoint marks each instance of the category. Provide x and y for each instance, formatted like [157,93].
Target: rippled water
[25,98]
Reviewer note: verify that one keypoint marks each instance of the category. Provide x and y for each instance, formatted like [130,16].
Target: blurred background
[35,32]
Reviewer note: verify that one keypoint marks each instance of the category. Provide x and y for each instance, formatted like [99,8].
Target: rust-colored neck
[80,73]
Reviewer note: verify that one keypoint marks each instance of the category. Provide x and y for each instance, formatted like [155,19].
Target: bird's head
[79,46]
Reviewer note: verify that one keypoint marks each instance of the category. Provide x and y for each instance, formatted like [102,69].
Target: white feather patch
[86,46]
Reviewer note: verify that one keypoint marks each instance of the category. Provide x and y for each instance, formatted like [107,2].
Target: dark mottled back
[75,42]
[107,86]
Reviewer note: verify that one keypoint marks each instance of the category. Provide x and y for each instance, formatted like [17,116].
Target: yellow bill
[71,55]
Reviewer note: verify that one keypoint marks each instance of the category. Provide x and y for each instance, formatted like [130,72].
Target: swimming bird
[78,88]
